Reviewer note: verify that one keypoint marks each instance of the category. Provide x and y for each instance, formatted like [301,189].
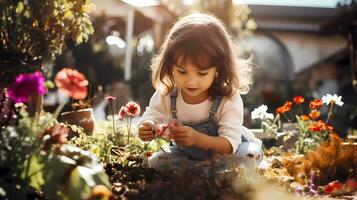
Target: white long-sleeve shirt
[229,115]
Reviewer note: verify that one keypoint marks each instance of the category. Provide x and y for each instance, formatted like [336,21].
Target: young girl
[198,82]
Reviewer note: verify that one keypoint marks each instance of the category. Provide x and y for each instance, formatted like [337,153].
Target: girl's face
[193,81]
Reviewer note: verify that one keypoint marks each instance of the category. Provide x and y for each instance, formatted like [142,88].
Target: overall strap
[173,97]
[217,100]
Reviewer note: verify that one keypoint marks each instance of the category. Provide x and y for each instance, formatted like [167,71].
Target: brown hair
[192,37]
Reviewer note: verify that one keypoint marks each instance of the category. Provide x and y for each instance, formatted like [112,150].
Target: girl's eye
[202,73]
[181,72]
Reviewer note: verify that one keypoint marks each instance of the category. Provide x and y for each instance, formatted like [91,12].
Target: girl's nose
[192,80]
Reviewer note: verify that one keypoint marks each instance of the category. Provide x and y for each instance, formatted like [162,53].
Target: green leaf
[20,7]
[76,186]
[35,172]
[286,137]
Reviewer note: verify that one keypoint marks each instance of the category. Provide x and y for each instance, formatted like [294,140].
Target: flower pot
[83,118]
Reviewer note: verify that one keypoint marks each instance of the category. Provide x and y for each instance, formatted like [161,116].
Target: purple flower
[25,85]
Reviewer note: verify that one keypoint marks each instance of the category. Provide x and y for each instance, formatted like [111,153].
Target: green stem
[111,108]
[329,115]
[301,110]
[147,144]
[60,107]
[286,118]
[129,128]
[27,169]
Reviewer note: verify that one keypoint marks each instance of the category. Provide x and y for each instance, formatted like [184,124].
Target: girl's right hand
[146,130]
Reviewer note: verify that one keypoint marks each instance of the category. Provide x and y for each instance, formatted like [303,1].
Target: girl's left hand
[185,135]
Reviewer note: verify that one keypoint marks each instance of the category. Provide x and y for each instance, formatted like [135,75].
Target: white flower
[332,98]
[261,113]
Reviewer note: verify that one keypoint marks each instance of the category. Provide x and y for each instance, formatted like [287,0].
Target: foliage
[332,160]
[34,156]
[38,28]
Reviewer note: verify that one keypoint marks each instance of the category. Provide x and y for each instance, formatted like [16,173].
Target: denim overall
[208,127]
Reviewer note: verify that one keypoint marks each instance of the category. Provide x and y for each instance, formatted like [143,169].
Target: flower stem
[301,109]
[129,128]
[329,115]
[286,118]
[111,108]
[60,107]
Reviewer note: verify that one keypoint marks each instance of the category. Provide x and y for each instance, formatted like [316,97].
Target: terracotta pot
[83,118]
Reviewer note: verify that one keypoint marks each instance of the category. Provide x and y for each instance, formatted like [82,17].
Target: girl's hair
[192,38]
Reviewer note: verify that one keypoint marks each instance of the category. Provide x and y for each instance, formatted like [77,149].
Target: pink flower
[72,83]
[164,131]
[25,85]
[133,109]
[123,110]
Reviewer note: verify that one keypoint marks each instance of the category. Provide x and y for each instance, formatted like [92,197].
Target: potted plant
[74,84]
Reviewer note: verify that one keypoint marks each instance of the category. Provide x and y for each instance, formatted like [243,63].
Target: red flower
[317,103]
[72,83]
[133,109]
[110,98]
[351,185]
[123,110]
[314,114]
[148,154]
[333,187]
[284,108]
[298,100]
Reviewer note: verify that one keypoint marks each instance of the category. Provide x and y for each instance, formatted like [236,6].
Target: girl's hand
[146,130]
[185,135]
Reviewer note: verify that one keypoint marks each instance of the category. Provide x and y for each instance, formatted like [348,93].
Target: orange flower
[133,109]
[284,108]
[72,83]
[298,100]
[329,128]
[100,192]
[314,114]
[317,103]
[304,117]
[317,126]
